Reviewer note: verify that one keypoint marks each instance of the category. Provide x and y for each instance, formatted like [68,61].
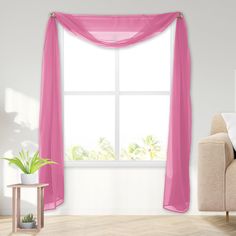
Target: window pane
[87,67]
[147,65]
[144,127]
[89,127]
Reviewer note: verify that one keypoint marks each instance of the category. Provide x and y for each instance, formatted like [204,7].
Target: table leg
[42,209]
[14,210]
[18,207]
[39,208]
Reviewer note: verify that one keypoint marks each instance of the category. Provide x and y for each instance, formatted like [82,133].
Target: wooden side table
[16,190]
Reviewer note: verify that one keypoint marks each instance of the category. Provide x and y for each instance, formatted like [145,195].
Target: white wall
[212,38]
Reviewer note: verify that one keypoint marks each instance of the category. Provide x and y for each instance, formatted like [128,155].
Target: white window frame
[117,93]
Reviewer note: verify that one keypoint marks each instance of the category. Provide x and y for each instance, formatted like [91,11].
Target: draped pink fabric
[114,32]
[50,127]
[177,188]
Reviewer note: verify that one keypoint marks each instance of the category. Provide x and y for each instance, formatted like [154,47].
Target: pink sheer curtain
[50,127]
[123,31]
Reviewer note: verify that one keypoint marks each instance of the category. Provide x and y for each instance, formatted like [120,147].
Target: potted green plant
[28,222]
[29,165]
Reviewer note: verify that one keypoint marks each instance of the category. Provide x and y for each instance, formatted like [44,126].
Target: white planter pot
[29,225]
[29,178]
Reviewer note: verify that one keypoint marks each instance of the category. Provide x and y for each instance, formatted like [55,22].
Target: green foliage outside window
[103,151]
[148,149]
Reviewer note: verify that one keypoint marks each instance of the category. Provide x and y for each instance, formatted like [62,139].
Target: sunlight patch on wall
[25,107]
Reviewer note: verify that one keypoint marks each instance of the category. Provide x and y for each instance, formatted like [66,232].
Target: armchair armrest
[215,154]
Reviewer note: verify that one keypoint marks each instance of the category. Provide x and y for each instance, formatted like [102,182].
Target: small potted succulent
[29,165]
[28,222]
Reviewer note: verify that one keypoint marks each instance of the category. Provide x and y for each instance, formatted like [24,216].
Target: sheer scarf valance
[115,32]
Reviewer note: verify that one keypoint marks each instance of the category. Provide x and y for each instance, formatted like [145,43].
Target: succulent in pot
[29,165]
[28,222]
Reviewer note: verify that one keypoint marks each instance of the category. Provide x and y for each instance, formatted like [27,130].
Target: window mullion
[117,106]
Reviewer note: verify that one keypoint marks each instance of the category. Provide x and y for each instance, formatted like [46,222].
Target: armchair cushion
[218,124]
[230,120]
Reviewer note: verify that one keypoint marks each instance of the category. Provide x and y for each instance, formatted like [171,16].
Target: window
[116,101]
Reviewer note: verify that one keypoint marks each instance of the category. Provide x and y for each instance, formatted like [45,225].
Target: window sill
[114,164]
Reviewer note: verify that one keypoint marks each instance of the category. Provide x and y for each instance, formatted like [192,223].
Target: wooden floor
[131,226]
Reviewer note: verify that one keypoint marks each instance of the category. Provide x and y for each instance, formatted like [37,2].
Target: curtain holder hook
[181,15]
[52,14]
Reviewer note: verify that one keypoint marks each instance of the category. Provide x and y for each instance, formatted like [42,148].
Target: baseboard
[110,211]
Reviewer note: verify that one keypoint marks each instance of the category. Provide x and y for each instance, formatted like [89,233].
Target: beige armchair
[217,170]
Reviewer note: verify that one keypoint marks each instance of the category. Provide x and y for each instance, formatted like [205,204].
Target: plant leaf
[17,162]
[27,164]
